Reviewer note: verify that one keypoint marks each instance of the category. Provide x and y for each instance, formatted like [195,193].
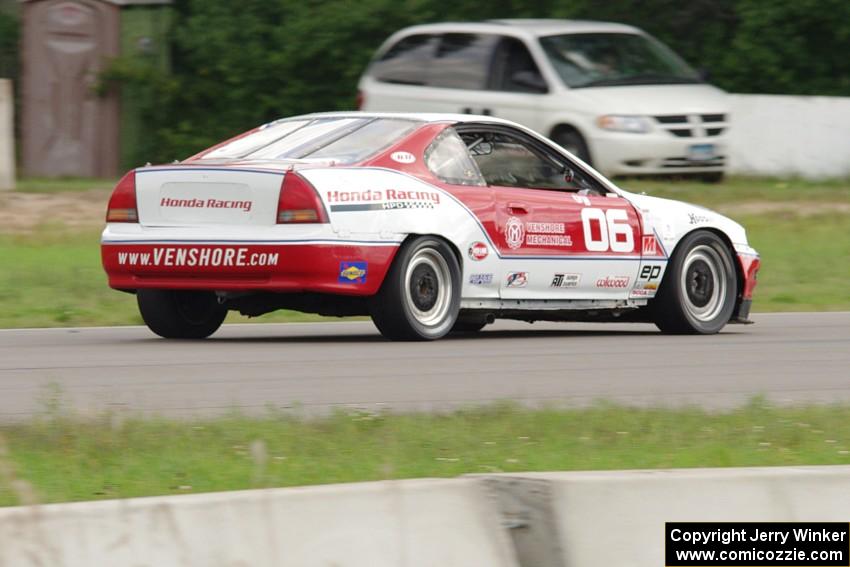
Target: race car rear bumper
[337,268]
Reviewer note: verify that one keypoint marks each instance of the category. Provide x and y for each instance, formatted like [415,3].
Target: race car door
[558,233]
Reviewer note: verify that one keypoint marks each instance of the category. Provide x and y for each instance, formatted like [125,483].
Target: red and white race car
[428,223]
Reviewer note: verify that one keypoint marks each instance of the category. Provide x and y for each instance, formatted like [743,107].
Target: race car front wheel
[420,297]
[178,314]
[698,292]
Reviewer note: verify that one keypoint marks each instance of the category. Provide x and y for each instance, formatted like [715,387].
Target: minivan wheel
[420,296]
[573,142]
[180,314]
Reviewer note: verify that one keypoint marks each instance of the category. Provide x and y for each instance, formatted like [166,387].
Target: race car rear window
[343,140]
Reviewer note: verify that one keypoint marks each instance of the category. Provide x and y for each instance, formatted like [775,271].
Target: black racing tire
[571,140]
[420,297]
[699,289]
[179,314]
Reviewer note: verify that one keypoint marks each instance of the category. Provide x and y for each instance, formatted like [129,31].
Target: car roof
[523,27]
[429,117]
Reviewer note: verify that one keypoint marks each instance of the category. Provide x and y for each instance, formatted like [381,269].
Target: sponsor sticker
[697,219]
[168,202]
[650,273]
[613,282]
[352,272]
[514,233]
[641,293]
[565,280]
[403,157]
[517,279]
[536,233]
[379,200]
[478,251]
[650,246]
[480,279]
[549,240]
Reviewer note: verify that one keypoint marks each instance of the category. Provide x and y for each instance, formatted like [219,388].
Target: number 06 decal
[612,223]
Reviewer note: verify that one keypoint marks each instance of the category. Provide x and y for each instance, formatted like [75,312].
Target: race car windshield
[342,139]
[615,59]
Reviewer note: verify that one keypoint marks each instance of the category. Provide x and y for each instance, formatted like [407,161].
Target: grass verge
[51,276]
[59,459]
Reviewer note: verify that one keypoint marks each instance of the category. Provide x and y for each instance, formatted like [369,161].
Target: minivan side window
[514,69]
[407,61]
[462,61]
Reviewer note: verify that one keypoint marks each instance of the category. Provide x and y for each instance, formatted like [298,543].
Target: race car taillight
[299,203]
[122,204]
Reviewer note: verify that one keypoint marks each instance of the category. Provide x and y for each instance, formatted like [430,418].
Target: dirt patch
[23,213]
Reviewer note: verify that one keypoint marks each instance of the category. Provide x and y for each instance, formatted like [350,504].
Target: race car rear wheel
[698,292]
[420,296]
[179,314]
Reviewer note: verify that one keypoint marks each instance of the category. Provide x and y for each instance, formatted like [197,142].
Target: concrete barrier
[7,136]
[576,519]
[617,518]
[400,523]
[790,136]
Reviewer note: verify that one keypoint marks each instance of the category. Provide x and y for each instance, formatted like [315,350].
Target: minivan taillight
[360,100]
[122,204]
[299,203]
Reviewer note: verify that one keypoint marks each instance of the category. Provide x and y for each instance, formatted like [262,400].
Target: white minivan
[609,93]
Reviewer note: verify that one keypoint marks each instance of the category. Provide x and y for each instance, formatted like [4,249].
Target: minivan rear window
[451,61]
[462,61]
[407,61]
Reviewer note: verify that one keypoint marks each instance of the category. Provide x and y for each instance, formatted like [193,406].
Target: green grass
[53,277]
[65,459]
[741,189]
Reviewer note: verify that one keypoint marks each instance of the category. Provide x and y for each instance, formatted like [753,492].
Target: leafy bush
[8,45]
[239,64]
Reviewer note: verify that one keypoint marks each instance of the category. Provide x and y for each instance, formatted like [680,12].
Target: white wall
[790,136]
[7,138]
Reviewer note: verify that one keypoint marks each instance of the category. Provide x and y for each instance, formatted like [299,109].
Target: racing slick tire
[420,297]
[698,292]
[179,314]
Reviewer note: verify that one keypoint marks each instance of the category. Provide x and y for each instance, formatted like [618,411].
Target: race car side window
[448,159]
[511,159]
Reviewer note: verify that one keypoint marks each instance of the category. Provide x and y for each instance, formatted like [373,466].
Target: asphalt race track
[802,357]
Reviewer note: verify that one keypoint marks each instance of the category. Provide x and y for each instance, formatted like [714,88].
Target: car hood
[671,220]
[654,100]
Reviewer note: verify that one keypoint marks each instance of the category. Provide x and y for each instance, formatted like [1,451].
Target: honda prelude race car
[427,223]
